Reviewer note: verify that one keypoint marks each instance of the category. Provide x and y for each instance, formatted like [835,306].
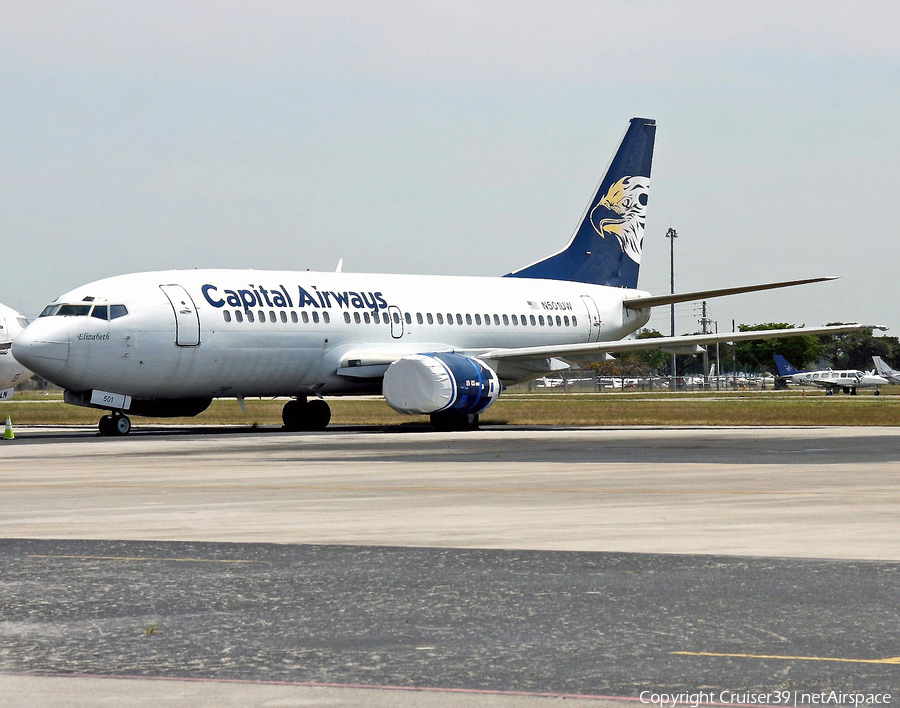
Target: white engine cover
[433,383]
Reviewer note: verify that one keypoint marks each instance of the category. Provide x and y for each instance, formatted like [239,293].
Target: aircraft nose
[43,347]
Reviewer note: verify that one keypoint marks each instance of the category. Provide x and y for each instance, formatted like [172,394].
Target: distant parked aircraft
[844,380]
[882,369]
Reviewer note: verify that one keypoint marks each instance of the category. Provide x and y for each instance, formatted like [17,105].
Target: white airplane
[167,343]
[882,369]
[831,380]
[11,371]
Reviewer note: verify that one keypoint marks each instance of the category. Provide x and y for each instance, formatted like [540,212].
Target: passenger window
[396,318]
[440,318]
[273,317]
[574,321]
[468,319]
[294,317]
[305,316]
[367,318]
[558,321]
[408,318]
[533,321]
[356,317]
[566,320]
[419,318]
[477,319]
[347,317]
[238,315]
[429,318]
[101,312]
[449,319]
[315,317]
[227,315]
[117,311]
[515,320]
[250,317]
[487,319]
[505,320]
[326,318]
[496,320]
[458,318]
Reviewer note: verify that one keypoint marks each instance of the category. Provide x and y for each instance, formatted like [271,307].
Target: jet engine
[440,383]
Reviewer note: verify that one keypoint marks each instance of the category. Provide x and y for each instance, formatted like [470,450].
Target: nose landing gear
[301,414]
[115,424]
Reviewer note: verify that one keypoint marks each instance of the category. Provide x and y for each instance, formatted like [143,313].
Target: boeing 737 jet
[831,380]
[11,371]
[167,343]
[882,369]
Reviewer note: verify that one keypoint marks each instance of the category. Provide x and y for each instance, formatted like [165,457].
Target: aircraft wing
[589,350]
[642,303]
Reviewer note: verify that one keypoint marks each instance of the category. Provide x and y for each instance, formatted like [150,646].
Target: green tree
[801,351]
[854,350]
[653,359]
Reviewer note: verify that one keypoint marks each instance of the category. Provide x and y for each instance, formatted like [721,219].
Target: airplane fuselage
[11,371]
[228,333]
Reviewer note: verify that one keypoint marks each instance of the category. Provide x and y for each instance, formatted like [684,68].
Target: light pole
[671,234]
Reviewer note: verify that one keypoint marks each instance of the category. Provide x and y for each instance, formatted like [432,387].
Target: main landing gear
[301,414]
[115,424]
[454,421]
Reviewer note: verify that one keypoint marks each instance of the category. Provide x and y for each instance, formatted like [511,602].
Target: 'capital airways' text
[258,296]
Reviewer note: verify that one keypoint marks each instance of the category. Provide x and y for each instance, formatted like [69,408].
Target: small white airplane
[11,371]
[167,343]
[831,380]
[882,369]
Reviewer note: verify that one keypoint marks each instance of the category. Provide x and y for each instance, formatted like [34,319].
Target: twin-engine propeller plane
[11,371]
[831,380]
[167,343]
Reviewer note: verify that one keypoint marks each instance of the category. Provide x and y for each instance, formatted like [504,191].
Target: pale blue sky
[452,138]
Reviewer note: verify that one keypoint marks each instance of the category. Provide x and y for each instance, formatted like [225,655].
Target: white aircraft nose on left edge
[11,371]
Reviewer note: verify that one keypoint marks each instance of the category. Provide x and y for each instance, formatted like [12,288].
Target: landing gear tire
[114,425]
[829,392]
[105,425]
[852,391]
[301,414]
[122,424]
[877,392]
[454,421]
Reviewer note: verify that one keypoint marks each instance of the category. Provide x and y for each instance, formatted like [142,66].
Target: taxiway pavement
[496,566]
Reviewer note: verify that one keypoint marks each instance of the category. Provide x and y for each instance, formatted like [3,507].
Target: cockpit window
[100,312]
[69,310]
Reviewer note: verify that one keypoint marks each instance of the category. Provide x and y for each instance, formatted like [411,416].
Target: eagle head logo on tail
[627,199]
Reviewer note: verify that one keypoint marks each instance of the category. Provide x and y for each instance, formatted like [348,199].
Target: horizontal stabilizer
[642,303]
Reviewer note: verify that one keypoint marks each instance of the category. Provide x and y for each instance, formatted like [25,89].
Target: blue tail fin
[606,247]
[783,366]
